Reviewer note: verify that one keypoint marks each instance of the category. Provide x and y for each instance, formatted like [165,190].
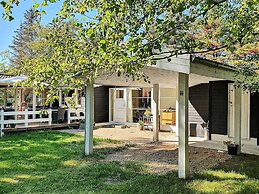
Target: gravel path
[163,157]
[159,157]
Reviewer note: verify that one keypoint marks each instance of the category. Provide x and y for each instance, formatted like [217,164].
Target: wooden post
[237,118]
[34,101]
[60,98]
[16,102]
[1,123]
[50,116]
[26,118]
[68,115]
[76,96]
[89,119]
[5,97]
[155,111]
[183,124]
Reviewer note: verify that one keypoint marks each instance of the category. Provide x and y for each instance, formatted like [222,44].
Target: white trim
[212,71]
[245,115]
[231,109]
[110,105]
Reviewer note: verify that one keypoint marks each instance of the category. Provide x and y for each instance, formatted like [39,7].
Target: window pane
[119,93]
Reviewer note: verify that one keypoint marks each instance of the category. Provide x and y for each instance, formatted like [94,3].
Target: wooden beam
[89,119]
[213,71]
[183,124]
[155,111]
[237,118]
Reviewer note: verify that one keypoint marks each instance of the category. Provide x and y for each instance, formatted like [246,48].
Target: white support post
[16,102]
[26,118]
[34,103]
[68,116]
[237,118]
[89,118]
[5,97]
[50,116]
[155,111]
[60,98]
[183,124]
[1,123]
[76,96]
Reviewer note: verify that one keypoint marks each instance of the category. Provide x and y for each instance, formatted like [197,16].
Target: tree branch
[190,20]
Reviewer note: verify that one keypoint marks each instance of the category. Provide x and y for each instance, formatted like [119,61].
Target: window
[119,93]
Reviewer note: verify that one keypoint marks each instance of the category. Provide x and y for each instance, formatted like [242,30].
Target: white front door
[120,105]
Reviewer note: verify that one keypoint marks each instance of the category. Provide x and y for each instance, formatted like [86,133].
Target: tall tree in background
[4,61]
[24,36]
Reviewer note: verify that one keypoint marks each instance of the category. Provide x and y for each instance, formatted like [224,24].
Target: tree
[24,36]
[121,36]
[4,61]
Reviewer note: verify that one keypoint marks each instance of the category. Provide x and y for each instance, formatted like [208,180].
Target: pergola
[181,73]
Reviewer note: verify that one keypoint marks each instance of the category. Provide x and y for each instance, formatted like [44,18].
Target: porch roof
[10,79]
[165,73]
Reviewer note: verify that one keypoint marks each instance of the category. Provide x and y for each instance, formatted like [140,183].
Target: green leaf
[36,5]
[44,3]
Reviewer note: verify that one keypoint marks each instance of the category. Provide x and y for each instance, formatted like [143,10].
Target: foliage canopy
[121,36]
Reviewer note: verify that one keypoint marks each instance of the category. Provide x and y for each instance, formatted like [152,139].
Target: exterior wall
[198,108]
[254,116]
[101,104]
[249,114]
[167,98]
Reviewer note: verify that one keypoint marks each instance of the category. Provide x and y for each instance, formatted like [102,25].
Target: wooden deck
[41,127]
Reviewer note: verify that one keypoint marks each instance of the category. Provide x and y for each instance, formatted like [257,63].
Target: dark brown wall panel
[218,107]
[198,108]
[199,98]
[101,104]
[254,115]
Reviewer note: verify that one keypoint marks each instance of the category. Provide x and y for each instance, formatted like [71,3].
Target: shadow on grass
[237,175]
[53,162]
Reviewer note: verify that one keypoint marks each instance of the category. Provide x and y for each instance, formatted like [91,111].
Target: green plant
[141,123]
[230,143]
[148,113]
[43,112]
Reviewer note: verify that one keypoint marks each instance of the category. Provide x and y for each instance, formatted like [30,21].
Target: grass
[53,162]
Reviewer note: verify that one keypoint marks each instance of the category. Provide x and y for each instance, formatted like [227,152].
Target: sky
[7,28]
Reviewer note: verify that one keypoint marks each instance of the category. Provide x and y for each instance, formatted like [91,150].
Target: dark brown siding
[218,108]
[254,116]
[101,104]
[198,108]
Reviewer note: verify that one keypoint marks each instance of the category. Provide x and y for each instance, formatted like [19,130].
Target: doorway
[119,105]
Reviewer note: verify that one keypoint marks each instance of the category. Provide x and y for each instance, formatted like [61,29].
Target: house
[22,108]
[199,92]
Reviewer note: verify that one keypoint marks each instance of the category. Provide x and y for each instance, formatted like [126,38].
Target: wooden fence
[27,117]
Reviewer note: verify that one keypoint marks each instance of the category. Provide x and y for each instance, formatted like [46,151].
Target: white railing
[74,114]
[24,118]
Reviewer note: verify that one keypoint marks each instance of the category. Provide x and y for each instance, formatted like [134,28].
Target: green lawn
[53,162]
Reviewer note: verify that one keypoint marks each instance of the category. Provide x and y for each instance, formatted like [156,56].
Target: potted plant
[148,113]
[141,125]
[232,147]
[82,124]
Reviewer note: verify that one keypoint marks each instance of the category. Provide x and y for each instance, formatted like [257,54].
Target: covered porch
[180,73]
[23,109]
